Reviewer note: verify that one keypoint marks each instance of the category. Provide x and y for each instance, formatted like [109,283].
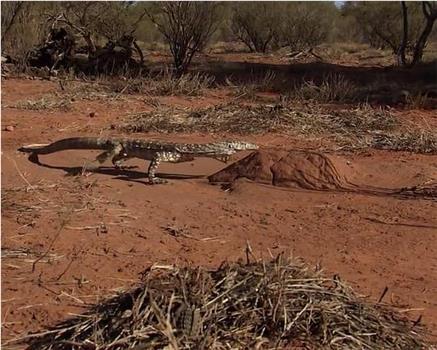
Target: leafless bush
[22,27]
[302,26]
[403,28]
[186,27]
[254,23]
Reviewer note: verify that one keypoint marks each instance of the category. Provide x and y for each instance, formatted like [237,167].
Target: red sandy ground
[372,242]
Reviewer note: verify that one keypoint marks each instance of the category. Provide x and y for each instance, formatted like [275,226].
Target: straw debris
[44,103]
[418,141]
[262,305]
[257,119]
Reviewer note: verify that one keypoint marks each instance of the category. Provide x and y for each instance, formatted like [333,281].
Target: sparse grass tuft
[256,83]
[188,84]
[164,84]
[417,100]
[333,88]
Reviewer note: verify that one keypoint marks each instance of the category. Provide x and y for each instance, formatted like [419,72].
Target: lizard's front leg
[115,151]
[118,160]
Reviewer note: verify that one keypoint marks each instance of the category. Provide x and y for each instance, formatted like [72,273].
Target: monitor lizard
[121,149]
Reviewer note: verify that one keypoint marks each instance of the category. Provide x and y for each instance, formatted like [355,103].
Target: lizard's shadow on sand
[126,173]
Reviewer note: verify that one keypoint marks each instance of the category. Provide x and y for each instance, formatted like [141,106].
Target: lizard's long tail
[65,144]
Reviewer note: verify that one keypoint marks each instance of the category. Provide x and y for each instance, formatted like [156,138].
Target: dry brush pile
[260,305]
[257,119]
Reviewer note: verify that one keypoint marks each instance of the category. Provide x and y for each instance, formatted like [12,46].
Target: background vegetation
[185,28]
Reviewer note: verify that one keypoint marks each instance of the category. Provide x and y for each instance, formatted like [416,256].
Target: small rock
[93,114]
[9,128]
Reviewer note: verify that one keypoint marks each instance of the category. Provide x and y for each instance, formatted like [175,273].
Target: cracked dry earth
[71,240]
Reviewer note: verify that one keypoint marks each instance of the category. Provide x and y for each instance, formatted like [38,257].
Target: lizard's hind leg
[154,164]
[172,157]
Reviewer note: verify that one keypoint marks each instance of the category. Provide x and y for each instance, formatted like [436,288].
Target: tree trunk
[431,15]
[401,60]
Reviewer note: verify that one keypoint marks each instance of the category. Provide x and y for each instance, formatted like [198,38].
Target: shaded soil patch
[287,74]
[254,305]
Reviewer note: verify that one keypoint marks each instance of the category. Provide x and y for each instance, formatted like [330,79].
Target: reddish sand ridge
[115,225]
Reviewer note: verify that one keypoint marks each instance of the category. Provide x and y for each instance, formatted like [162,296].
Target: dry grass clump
[418,100]
[263,82]
[418,141]
[240,119]
[45,103]
[89,91]
[364,118]
[109,89]
[188,84]
[260,305]
[248,119]
[332,88]
[164,84]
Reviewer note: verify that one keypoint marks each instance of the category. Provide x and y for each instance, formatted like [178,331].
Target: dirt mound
[295,168]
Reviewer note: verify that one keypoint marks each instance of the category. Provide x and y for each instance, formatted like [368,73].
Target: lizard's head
[240,145]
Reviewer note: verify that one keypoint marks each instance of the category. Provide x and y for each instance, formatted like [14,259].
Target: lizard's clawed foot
[157,181]
[33,157]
